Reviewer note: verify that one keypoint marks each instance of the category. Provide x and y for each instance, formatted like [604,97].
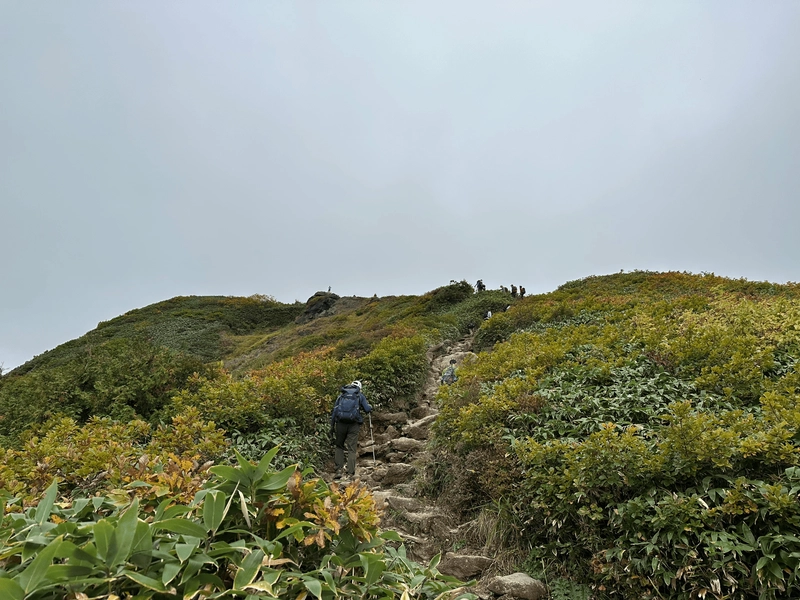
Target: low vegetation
[628,436]
[249,532]
[648,425]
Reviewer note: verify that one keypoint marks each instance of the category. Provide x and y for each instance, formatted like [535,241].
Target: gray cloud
[148,150]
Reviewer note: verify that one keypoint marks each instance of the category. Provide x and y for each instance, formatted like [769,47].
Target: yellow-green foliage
[304,387]
[105,453]
[251,531]
[653,422]
[300,388]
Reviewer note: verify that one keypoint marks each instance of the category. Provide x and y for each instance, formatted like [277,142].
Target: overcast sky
[154,149]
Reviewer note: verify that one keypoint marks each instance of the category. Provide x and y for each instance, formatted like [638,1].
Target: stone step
[432,523]
[419,430]
[392,474]
[404,503]
[422,411]
[407,445]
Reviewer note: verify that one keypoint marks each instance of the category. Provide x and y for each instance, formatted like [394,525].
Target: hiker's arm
[364,404]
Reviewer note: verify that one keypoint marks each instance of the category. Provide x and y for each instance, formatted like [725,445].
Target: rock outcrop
[317,306]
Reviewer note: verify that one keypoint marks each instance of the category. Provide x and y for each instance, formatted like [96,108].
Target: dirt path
[401,442]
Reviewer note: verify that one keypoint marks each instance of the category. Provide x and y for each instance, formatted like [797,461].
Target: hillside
[632,435]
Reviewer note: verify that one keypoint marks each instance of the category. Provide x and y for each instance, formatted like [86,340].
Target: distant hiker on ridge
[346,420]
[479,286]
[521,292]
[513,291]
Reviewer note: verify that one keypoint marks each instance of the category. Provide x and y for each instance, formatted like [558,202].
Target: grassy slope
[204,326]
[639,432]
[534,409]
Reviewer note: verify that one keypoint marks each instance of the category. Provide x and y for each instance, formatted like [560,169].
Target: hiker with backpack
[346,420]
[449,375]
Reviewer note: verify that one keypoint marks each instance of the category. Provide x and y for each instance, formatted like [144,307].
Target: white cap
[356,383]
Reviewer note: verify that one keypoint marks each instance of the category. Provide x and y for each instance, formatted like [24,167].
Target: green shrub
[282,537]
[102,453]
[394,368]
[121,379]
[448,295]
[649,428]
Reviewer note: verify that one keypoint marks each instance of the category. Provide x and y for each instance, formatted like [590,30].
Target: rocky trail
[400,453]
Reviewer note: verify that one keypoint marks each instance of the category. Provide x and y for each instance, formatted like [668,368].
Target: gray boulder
[317,306]
[518,585]
[419,429]
[464,566]
[405,444]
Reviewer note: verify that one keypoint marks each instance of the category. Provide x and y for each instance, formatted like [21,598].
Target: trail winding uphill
[389,468]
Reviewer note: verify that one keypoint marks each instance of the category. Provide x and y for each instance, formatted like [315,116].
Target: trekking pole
[374,461]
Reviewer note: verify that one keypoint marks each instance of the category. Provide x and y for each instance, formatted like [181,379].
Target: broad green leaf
[11,590]
[171,570]
[248,470]
[147,582]
[192,568]
[184,551]
[313,586]
[328,577]
[124,535]
[181,526]
[214,509]
[277,481]
[776,570]
[373,566]
[435,561]
[391,536]
[59,572]
[295,530]
[35,572]
[174,511]
[249,569]
[264,463]
[229,474]
[69,550]
[97,502]
[143,539]
[103,530]
[32,546]
[46,503]
[261,586]
[162,506]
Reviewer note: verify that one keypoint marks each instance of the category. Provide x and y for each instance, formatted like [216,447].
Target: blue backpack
[347,407]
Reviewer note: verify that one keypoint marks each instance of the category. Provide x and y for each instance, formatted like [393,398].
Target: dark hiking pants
[346,440]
